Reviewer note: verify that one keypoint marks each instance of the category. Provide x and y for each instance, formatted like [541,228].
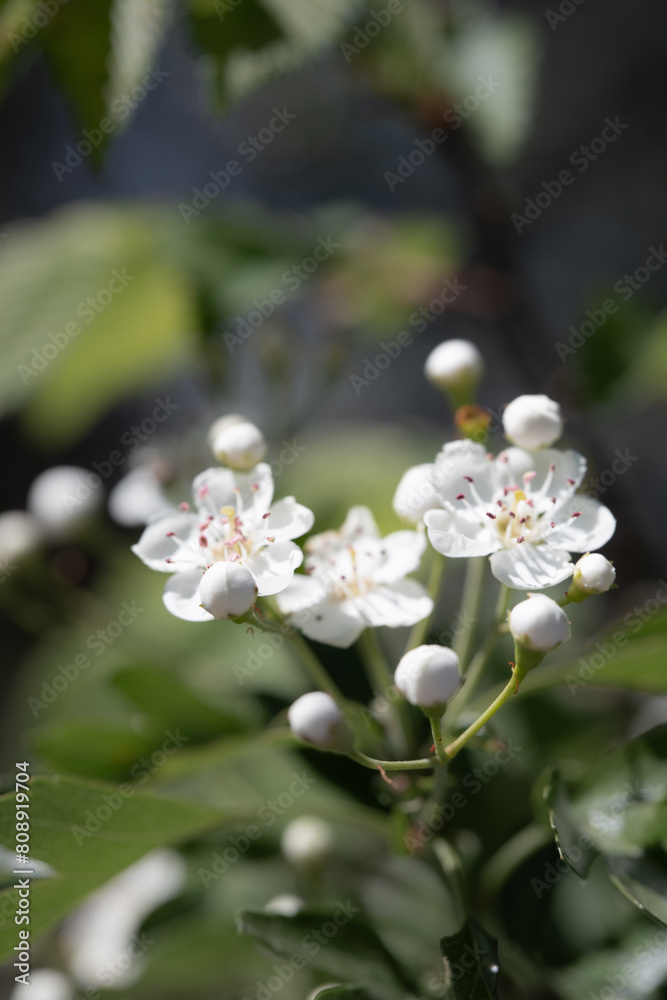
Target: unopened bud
[237,443]
[455,366]
[316,718]
[428,676]
[227,590]
[593,574]
[532,422]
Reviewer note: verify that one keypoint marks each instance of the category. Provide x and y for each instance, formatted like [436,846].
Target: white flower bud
[455,366]
[227,590]
[45,984]
[593,574]
[428,676]
[237,443]
[20,534]
[64,497]
[316,718]
[307,842]
[532,422]
[415,494]
[539,623]
[286,905]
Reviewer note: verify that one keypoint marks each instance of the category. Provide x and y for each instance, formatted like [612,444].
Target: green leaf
[343,993]
[126,826]
[471,956]
[77,43]
[634,969]
[349,949]
[566,832]
[94,749]
[137,33]
[644,881]
[169,700]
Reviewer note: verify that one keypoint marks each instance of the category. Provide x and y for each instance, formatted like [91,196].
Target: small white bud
[316,718]
[63,498]
[532,422]
[539,623]
[286,905]
[307,842]
[428,676]
[593,574]
[455,366]
[20,534]
[227,590]
[237,443]
[45,984]
[415,494]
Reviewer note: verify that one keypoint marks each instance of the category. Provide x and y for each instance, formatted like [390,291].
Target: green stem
[420,630]
[392,765]
[510,688]
[382,682]
[481,657]
[436,729]
[469,610]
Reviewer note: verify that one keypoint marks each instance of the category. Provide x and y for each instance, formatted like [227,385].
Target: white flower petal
[181,597]
[337,623]
[359,521]
[138,498]
[453,535]
[216,488]
[570,469]
[289,519]
[586,533]
[154,546]
[273,567]
[304,592]
[403,603]
[457,460]
[402,552]
[531,567]
[416,493]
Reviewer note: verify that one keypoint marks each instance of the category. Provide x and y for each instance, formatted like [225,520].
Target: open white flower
[519,508]
[356,580]
[234,522]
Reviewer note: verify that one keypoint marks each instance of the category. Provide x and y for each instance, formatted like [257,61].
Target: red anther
[499,503]
[168,560]
[184,506]
[520,539]
[492,516]
[577,513]
[268,514]
[469,479]
[460,496]
[553,524]
[529,476]
[254,486]
[571,482]
[553,499]
[271,538]
[552,467]
[170,534]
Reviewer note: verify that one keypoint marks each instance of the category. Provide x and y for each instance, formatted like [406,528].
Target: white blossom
[234,522]
[532,421]
[593,574]
[519,508]
[44,984]
[355,580]
[455,366]
[539,623]
[316,718]
[428,676]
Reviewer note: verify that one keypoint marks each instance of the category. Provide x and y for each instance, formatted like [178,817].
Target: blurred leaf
[472,963]
[644,881]
[125,828]
[353,952]
[137,33]
[94,749]
[633,970]
[169,700]
[343,993]
[565,830]
[648,369]
[77,43]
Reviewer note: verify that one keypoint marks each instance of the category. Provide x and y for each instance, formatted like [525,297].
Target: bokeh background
[527,266]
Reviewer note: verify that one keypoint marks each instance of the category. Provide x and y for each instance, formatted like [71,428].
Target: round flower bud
[227,590]
[415,494]
[45,984]
[63,498]
[539,624]
[237,443]
[307,842]
[286,905]
[532,422]
[20,534]
[428,676]
[316,718]
[455,366]
[593,574]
